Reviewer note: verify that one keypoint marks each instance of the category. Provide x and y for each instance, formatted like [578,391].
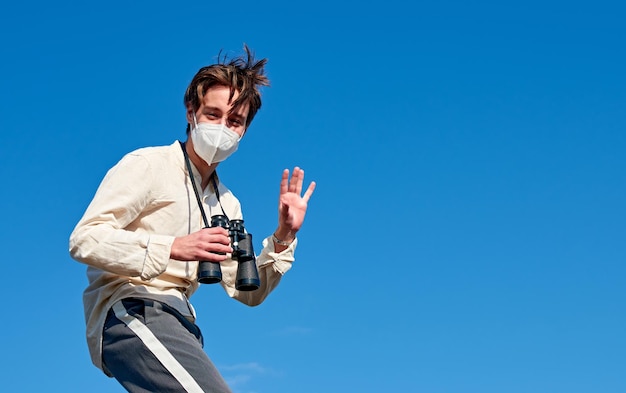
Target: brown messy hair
[243,74]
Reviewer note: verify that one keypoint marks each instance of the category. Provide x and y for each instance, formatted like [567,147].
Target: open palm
[292,205]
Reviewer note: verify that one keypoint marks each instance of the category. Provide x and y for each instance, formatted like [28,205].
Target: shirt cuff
[280,261]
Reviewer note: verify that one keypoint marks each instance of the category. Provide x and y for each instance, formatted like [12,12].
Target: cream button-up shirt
[125,237]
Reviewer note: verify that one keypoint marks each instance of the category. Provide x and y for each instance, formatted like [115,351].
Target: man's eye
[236,122]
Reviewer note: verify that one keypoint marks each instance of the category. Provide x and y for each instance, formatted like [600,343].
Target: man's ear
[189,114]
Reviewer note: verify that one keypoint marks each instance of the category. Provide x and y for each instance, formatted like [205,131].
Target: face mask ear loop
[195,121]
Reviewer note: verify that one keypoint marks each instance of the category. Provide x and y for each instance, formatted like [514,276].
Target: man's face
[215,108]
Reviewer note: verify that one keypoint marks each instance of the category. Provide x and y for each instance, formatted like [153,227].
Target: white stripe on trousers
[158,349]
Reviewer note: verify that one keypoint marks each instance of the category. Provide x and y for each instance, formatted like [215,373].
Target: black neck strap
[195,187]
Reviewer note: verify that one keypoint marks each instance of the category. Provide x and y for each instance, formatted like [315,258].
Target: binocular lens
[209,272]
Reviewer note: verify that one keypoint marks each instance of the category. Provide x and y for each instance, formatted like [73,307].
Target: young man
[146,229]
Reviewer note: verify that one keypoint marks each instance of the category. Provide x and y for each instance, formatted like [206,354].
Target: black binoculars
[241,243]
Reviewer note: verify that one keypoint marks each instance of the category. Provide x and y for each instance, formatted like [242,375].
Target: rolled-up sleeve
[280,262]
[271,265]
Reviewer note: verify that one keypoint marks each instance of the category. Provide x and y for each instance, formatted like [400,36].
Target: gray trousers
[150,347]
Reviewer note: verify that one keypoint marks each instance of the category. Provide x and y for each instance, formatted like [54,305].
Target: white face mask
[213,142]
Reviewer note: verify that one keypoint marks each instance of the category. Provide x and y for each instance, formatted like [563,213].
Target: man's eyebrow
[212,108]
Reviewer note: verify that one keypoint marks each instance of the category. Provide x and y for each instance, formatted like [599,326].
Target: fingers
[209,244]
[295,183]
[300,179]
[219,234]
[309,192]
[214,241]
[284,181]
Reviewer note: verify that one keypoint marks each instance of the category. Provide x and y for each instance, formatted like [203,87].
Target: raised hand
[291,204]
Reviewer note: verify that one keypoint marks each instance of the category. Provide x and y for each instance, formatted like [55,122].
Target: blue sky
[467,232]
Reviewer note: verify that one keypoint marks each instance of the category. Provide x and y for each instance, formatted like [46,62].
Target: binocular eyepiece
[243,253]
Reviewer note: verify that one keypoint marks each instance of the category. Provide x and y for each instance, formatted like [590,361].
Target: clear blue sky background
[467,233]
